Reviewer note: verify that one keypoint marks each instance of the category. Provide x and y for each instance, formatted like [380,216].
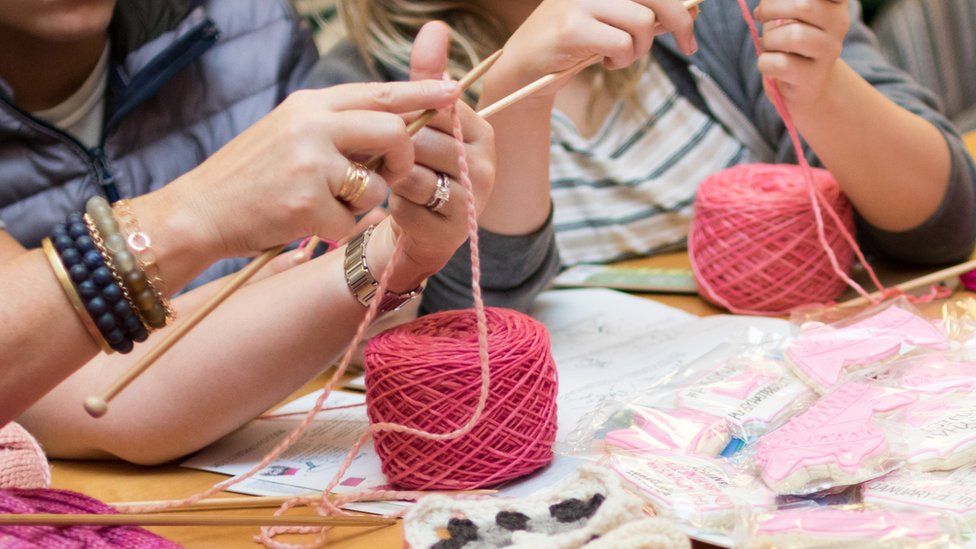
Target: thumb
[428,60]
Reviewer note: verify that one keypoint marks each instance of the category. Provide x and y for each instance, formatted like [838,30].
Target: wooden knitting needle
[96,406]
[920,282]
[192,520]
[251,502]
[549,79]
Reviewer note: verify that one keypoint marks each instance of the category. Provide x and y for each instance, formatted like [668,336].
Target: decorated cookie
[936,373]
[935,492]
[680,429]
[704,492]
[939,432]
[835,443]
[755,395]
[823,354]
[833,527]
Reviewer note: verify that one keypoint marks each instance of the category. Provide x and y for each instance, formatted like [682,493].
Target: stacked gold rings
[356,183]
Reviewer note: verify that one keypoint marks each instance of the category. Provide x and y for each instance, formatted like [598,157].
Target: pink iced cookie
[823,354]
[935,492]
[830,527]
[834,443]
[940,432]
[755,396]
[680,429]
[936,374]
[705,492]
[911,328]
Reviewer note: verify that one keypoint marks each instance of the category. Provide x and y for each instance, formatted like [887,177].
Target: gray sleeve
[514,269]
[949,234]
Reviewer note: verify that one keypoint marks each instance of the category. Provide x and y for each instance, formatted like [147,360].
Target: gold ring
[357,180]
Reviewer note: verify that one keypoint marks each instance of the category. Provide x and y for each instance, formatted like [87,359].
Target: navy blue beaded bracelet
[102,297]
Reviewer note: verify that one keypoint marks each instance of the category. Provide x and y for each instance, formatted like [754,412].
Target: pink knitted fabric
[73,537]
[22,462]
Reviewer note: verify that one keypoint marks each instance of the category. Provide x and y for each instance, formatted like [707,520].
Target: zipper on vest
[105,178]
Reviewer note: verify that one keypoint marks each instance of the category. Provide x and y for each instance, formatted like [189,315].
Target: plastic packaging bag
[838,442]
[822,354]
[836,527]
[735,391]
[950,493]
[705,493]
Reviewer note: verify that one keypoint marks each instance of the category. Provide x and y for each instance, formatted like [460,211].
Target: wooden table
[113,481]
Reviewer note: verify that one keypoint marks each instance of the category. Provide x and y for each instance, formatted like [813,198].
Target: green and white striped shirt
[628,191]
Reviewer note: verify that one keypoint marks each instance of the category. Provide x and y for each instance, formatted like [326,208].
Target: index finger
[394,97]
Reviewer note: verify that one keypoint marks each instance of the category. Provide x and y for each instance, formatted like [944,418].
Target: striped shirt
[628,191]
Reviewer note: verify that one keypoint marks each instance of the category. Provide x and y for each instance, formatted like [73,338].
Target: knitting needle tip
[96,406]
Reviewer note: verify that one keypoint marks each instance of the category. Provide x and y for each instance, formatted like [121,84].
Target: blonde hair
[383,32]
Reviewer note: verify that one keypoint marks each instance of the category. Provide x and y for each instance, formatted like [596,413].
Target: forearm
[43,340]
[892,164]
[249,354]
[519,203]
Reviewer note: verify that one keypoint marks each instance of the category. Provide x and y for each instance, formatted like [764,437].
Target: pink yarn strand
[324,505]
[780,105]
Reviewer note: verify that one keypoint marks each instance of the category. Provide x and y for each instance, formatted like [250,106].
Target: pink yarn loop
[457,429]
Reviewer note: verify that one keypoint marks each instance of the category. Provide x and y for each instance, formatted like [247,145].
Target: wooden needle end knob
[95,406]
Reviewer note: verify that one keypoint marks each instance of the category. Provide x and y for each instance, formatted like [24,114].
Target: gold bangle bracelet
[69,289]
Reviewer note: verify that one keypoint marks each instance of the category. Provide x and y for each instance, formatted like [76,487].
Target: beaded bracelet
[141,246]
[104,302]
[145,299]
[133,323]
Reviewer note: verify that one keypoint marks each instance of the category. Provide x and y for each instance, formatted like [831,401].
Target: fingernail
[449,86]
[299,257]
[694,44]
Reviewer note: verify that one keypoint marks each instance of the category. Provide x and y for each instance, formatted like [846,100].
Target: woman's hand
[430,238]
[278,180]
[562,33]
[802,40]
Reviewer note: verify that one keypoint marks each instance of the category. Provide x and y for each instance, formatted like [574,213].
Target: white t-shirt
[81,115]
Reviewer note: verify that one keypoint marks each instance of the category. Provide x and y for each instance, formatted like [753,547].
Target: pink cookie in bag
[936,374]
[680,429]
[831,527]
[935,492]
[707,493]
[834,443]
[821,355]
[939,432]
[755,395]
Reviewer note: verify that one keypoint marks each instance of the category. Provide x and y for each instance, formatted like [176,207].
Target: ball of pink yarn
[753,242]
[426,374]
[22,461]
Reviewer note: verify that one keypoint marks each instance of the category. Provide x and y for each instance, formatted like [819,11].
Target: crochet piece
[590,509]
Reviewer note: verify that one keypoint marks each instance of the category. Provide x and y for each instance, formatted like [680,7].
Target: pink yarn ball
[426,375]
[22,461]
[753,243]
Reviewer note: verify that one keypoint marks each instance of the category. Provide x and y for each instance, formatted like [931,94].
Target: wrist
[181,241]
[502,82]
[830,91]
[379,253]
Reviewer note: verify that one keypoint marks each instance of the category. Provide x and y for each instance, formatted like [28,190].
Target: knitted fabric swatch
[588,510]
[22,462]
[56,537]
